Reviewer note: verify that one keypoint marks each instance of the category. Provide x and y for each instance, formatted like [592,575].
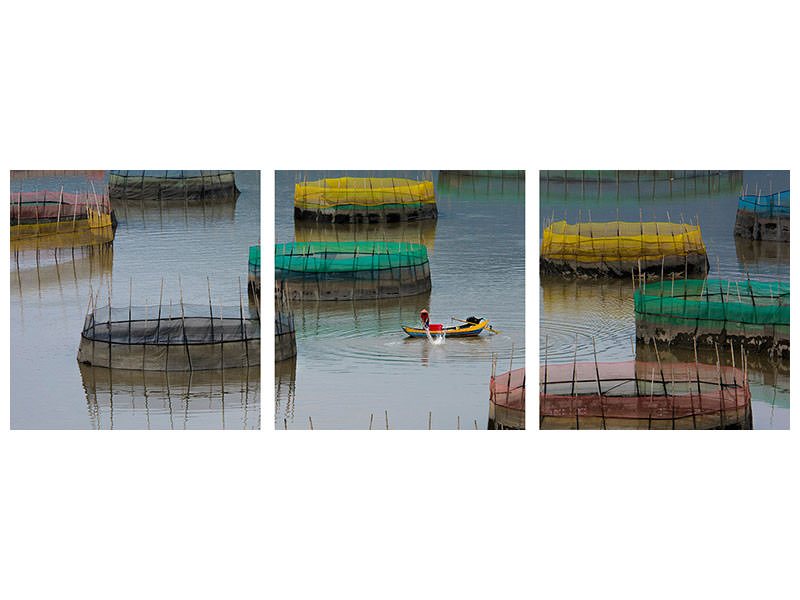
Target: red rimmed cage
[643,395]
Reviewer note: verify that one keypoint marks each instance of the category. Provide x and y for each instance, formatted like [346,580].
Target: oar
[486,327]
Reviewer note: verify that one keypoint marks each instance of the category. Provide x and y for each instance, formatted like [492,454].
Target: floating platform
[312,271]
[715,311]
[364,200]
[170,337]
[643,395]
[507,400]
[620,249]
[763,217]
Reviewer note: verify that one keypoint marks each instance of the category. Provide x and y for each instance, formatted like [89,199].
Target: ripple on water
[599,310]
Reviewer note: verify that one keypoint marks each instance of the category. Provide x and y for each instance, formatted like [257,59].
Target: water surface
[353,360]
[202,244]
[602,310]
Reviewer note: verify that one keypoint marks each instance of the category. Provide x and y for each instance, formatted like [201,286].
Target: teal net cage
[254,269]
[715,311]
[309,271]
[763,217]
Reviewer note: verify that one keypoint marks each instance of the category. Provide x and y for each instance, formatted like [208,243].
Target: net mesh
[45,205]
[641,390]
[362,192]
[715,302]
[311,271]
[620,241]
[170,337]
[75,219]
[345,257]
[254,261]
[508,389]
[171,185]
[774,205]
[624,176]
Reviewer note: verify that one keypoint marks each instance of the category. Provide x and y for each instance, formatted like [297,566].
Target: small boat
[472,328]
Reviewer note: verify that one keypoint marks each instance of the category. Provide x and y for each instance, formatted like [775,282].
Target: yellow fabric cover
[362,191]
[617,240]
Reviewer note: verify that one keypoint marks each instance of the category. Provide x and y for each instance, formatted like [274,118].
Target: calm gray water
[353,359]
[50,390]
[603,310]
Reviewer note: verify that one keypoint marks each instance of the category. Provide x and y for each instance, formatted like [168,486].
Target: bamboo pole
[574,365]
[183,325]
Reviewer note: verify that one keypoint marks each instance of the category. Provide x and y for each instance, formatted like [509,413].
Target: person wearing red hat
[426,320]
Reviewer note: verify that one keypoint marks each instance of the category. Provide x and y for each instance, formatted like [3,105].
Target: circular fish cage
[364,200]
[708,311]
[620,249]
[763,217]
[507,400]
[312,271]
[166,186]
[73,219]
[643,395]
[171,337]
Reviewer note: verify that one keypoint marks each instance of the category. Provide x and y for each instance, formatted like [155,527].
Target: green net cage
[254,269]
[715,311]
[351,270]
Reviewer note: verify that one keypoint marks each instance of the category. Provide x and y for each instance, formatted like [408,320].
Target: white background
[405,85]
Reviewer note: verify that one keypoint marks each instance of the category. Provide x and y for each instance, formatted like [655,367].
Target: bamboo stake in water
[545,365]
[721,390]
[574,364]
[211,310]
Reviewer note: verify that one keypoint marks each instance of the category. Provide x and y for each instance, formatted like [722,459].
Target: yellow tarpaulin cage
[94,229]
[604,242]
[617,247]
[362,191]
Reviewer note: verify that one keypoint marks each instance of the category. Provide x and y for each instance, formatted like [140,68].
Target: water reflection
[423,232]
[597,311]
[120,399]
[206,245]
[506,184]
[760,253]
[141,216]
[353,359]
[285,391]
[57,269]
[603,310]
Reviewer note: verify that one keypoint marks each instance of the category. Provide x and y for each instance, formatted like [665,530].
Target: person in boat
[426,319]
